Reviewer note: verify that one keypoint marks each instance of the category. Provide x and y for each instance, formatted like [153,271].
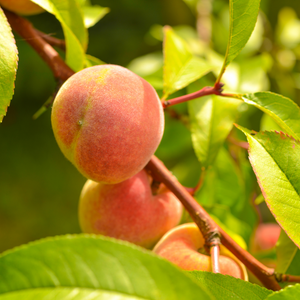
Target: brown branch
[207,90]
[51,40]
[208,227]
[287,278]
[48,54]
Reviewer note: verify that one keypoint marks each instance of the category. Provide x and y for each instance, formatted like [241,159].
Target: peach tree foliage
[95,267]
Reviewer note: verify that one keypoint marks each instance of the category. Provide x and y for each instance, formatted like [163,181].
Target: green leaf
[66,294]
[289,293]
[8,64]
[243,16]
[211,120]
[224,195]
[89,261]
[181,67]
[284,111]
[288,256]
[228,287]
[92,61]
[69,14]
[275,160]
[93,14]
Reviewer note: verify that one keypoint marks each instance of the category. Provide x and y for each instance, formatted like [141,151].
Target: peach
[108,122]
[265,237]
[183,246]
[128,210]
[21,7]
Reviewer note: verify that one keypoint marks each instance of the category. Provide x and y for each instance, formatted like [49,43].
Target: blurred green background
[39,188]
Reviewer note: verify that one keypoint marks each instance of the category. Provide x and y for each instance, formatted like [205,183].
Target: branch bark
[25,29]
[208,227]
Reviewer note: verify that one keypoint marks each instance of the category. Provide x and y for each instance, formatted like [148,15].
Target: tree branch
[207,90]
[25,29]
[208,227]
[52,40]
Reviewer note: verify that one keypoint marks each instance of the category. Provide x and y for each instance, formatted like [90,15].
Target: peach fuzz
[182,244]
[22,7]
[128,210]
[108,122]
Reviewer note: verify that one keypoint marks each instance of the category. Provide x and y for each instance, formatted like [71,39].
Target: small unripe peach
[184,246]
[21,7]
[128,210]
[108,122]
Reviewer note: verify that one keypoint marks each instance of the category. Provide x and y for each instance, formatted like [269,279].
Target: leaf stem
[207,90]
[217,89]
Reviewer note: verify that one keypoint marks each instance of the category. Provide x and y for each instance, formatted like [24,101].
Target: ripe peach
[182,244]
[265,237]
[128,210]
[108,122]
[21,7]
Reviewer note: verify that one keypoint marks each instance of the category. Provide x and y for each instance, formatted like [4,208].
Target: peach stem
[215,254]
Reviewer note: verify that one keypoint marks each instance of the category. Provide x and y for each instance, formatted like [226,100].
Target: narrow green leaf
[211,118]
[288,256]
[69,14]
[243,16]
[66,294]
[89,261]
[93,14]
[275,160]
[284,111]
[181,67]
[289,293]
[8,64]
[92,61]
[228,287]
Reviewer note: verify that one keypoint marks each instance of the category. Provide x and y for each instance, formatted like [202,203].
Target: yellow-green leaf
[8,64]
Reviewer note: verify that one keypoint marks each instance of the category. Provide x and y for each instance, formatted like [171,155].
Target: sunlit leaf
[275,160]
[288,256]
[284,111]
[181,67]
[95,262]
[92,61]
[211,118]
[8,64]
[243,16]
[289,293]
[69,14]
[66,294]
[93,14]
[228,287]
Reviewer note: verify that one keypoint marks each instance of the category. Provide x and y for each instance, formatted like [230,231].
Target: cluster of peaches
[109,122]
